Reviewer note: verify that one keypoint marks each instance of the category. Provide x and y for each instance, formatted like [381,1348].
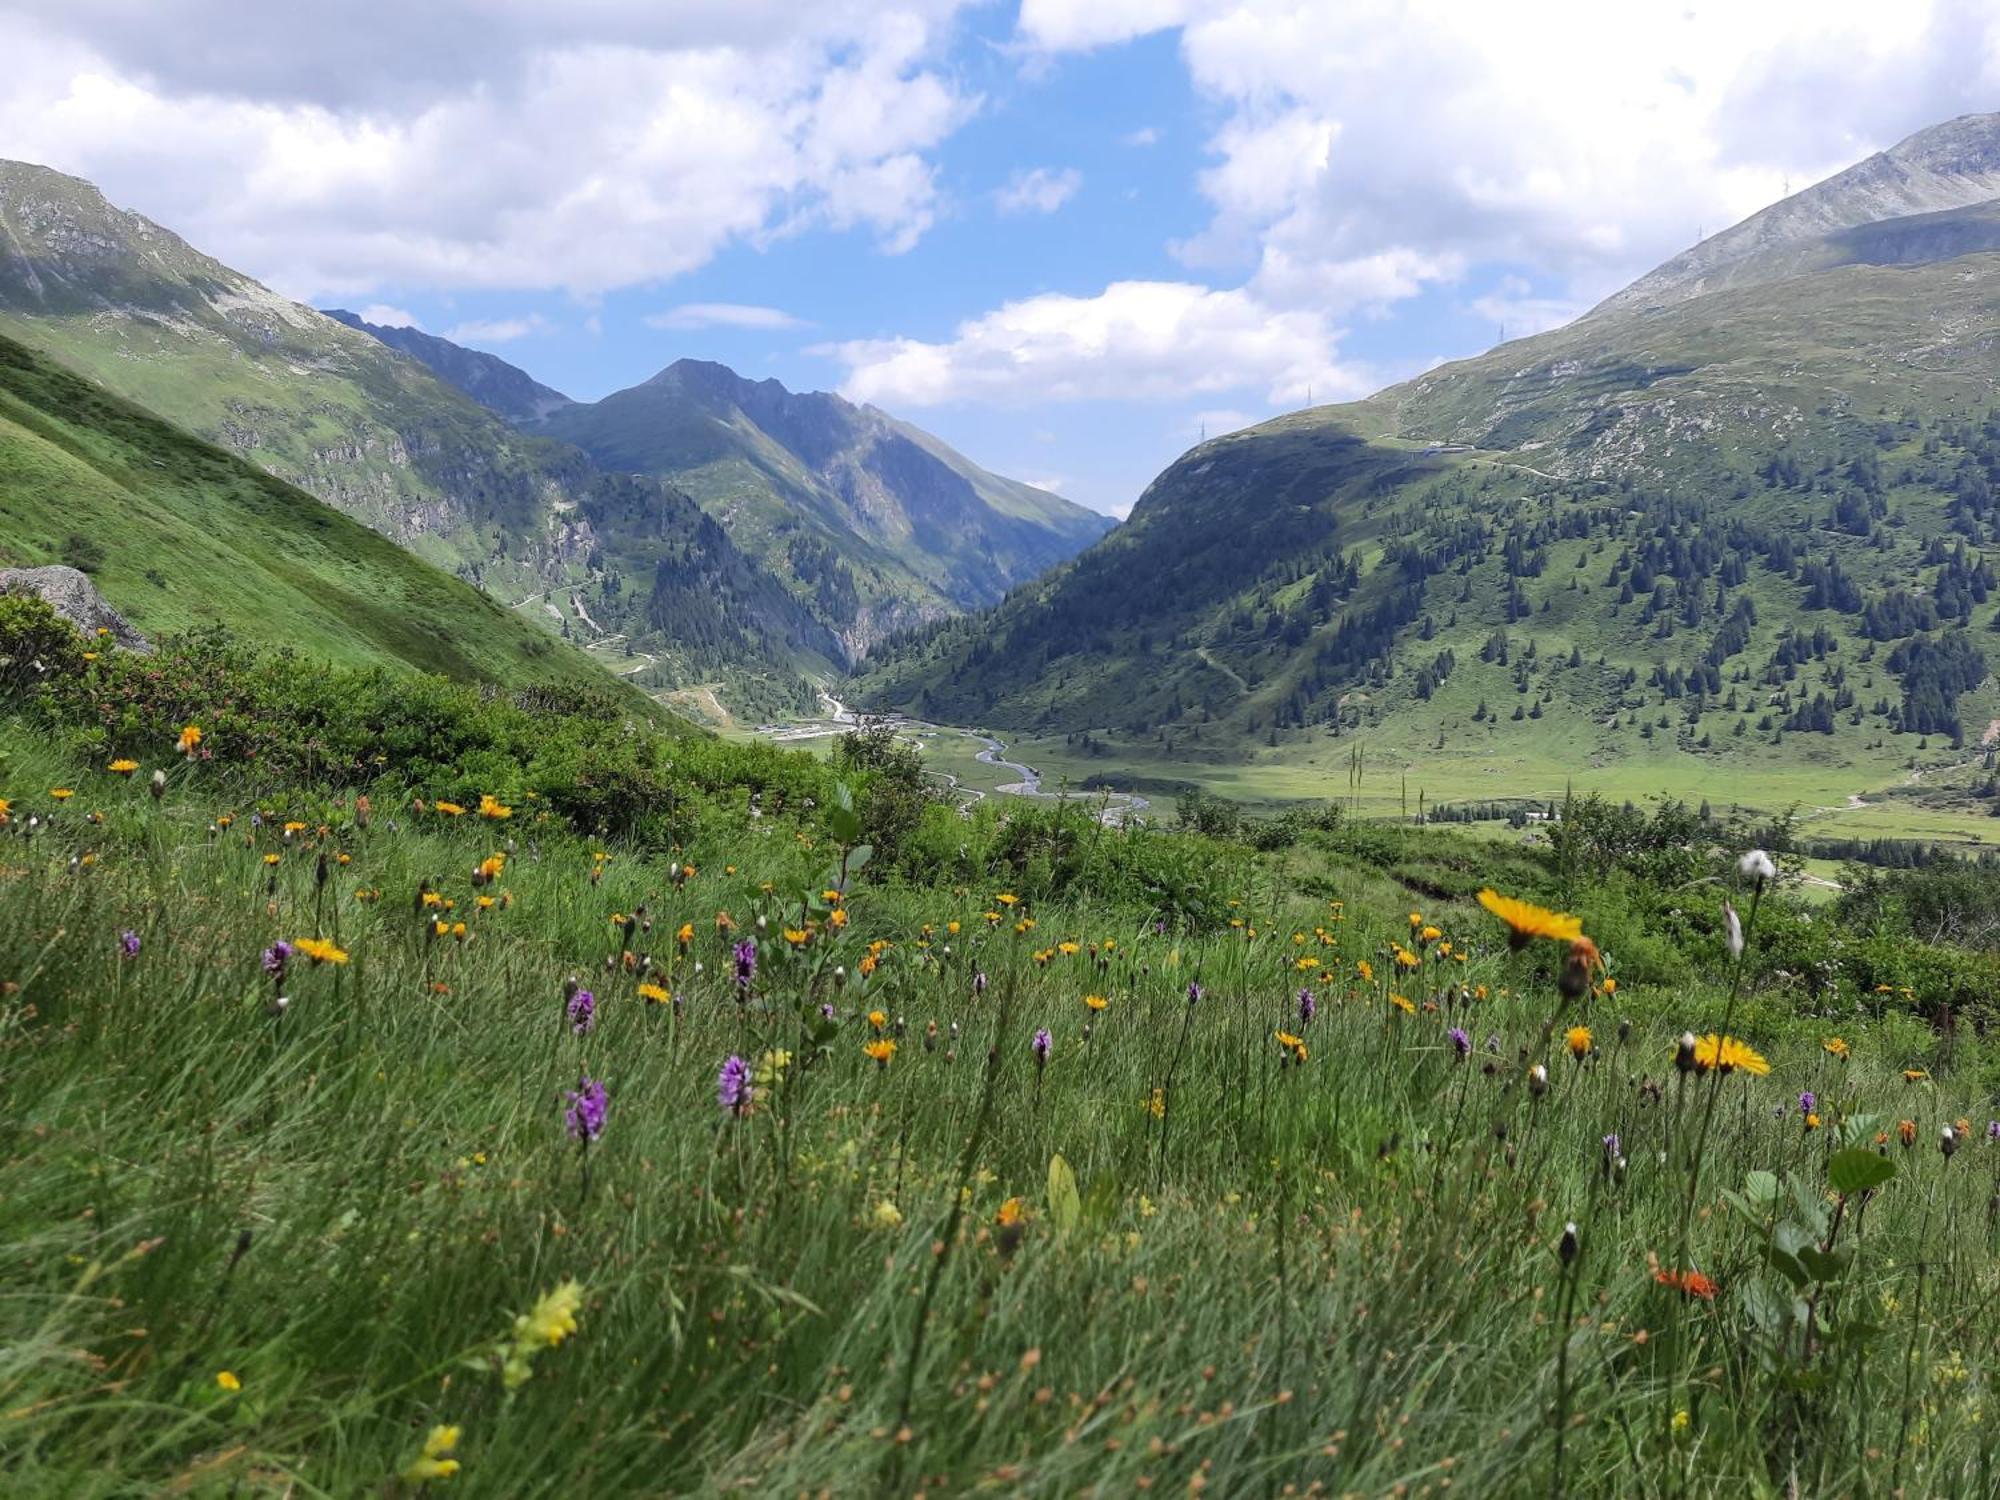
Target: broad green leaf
[1857,1169]
[1761,1188]
[1065,1204]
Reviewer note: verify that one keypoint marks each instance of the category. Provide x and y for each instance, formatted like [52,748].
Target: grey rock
[75,598]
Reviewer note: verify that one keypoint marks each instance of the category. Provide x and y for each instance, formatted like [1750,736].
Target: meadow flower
[1308,1007]
[1808,1102]
[1914,1075]
[1195,991]
[582,1012]
[1041,1043]
[226,1380]
[1614,1153]
[746,964]
[190,740]
[1947,1140]
[1294,1047]
[1577,1039]
[275,958]
[1526,921]
[1756,865]
[1579,964]
[657,994]
[1732,931]
[1906,1132]
[128,944]
[979,983]
[878,1019]
[1095,1002]
[449,809]
[1461,1041]
[1992,1131]
[588,1102]
[492,807]
[61,793]
[882,1050]
[434,1461]
[553,1318]
[1725,1054]
[1403,1003]
[122,767]
[732,1086]
[1688,1283]
[1538,1080]
[887,1215]
[1835,1047]
[320,951]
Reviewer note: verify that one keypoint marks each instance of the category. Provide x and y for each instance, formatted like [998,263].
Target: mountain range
[874,524]
[1732,520]
[465,461]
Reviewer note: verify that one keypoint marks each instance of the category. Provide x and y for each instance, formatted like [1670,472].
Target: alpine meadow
[590,902]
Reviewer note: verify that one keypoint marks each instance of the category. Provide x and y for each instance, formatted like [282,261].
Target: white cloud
[1038,190]
[1517,311]
[335,148]
[384,316]
[497,330]
[722,315]
[1407,140]
[1136,340]
[1145,135]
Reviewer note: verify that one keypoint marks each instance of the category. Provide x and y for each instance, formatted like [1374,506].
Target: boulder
[75,598]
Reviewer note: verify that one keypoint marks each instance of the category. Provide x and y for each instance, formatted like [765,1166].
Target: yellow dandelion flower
[492,807]
[320,951]
[1577,1039]
[1728,1055]
[1526,921]
[190,740]
[882,1051]
[1095,1002]
[122,767]
[1836,1047]
[61,793]
[449,809]
[226,1380]
[658,994]
[1403,1003]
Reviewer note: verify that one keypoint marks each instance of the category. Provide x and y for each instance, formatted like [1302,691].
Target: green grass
[194,537]
[1343,1274]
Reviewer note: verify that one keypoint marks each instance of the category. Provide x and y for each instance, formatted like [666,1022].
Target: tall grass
[1247,1274]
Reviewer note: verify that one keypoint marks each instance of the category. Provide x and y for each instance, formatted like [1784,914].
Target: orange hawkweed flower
[1688,1283]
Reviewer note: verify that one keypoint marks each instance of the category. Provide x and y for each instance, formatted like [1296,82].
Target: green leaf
[1065,1204]
[1825,1265]
[1761,1188]
[1101,1202]
[1857,1130]
[858,857]
[1858,1169]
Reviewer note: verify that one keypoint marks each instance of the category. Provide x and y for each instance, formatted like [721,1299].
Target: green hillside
[627,565]
[876,525]
[179,535]
[1732,545]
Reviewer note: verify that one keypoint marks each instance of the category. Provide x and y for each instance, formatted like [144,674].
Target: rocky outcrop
[75,598]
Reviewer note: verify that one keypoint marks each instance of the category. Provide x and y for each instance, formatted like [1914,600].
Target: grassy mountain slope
[185,535]
[1730,540]
[607,560]
[876,524]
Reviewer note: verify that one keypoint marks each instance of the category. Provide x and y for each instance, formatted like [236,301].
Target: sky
[1068,236]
